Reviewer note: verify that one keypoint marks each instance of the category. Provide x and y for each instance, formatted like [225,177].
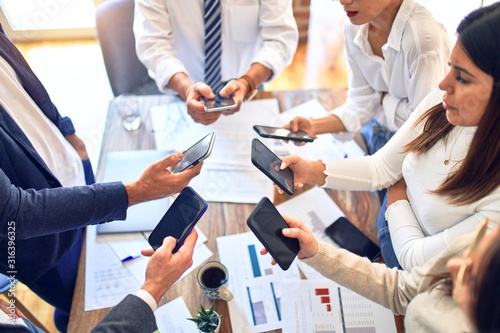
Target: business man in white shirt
[259,39]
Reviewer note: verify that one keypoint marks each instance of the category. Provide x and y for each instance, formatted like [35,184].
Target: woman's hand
[302,124]
[304,171]
[297,229]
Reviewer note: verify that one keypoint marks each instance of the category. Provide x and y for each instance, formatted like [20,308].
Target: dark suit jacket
[42,216]
[130,315]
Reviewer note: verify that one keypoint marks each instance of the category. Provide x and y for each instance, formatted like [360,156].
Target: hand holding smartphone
[196,153]
[266,223]
[180,219]
[219,103]
[345,234]
[282,133]
[267,162]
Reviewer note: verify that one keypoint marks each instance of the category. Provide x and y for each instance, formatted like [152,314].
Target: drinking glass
[127,107]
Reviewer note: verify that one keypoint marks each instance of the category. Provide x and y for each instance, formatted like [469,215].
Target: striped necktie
[213,44]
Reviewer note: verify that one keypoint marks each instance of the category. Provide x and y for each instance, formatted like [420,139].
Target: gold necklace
[447,161]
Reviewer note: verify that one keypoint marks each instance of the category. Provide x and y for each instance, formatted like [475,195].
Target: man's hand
[194,103]
[237,90]
[164,268]
[158,181]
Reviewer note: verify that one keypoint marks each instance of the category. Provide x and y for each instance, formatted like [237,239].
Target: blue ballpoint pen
[132,256]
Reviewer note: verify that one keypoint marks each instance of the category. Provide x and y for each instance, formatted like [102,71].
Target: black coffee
[213,277]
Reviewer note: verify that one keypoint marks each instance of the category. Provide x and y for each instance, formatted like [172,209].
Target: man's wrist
[148,298]
[252,87]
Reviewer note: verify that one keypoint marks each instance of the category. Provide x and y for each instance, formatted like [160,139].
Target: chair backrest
[114,21]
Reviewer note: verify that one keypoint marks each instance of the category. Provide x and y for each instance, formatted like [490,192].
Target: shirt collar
[402,17]
[396,34]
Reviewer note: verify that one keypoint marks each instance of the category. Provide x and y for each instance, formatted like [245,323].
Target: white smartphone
[196,153]
[219,103]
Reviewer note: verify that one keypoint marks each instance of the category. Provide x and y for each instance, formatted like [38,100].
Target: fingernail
[283,165]
[300,185]
[286,232]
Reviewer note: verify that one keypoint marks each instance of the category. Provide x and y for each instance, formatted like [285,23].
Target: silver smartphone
[196,153]
[219,103]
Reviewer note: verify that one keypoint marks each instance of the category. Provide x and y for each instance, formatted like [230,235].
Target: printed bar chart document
[254,282]
[322,306]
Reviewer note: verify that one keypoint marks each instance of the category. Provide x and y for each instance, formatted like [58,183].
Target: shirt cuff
[405,204]
[66,126]
[146,297]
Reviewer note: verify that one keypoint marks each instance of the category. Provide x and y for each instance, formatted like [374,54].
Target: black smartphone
[219,103]
[345,234]
[282,133]
[267,162]
[266,223]
[196,153]
[180,219]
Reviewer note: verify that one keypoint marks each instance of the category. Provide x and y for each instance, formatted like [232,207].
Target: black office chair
[114,21]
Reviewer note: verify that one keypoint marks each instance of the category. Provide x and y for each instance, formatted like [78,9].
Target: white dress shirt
[170,37]
[415,60]
[427,223]
[57,153]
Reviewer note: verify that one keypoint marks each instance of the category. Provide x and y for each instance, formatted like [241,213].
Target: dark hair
[485,303]
[479,173]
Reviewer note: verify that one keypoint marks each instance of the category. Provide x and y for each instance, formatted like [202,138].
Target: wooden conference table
[222,218]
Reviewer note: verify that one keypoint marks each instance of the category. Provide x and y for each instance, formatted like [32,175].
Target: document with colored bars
[322,306]
[267,298]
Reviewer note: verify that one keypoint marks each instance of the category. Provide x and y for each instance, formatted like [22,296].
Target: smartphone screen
[219,103]
[196,153]
[347,236]
[180,219]
[266,223]
[282,133]
[267,162]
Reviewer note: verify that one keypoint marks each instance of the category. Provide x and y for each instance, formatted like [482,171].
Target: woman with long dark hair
[443,165]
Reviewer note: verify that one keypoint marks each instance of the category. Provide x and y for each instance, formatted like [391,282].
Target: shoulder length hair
[479,173]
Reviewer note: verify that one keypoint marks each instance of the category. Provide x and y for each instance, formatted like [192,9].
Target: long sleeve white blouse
[415,59]
[425,224]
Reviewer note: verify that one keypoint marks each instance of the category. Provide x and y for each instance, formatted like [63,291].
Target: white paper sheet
[228,174]
[315,208]
[108,280]
[254,282]
[322,306]
[170,317]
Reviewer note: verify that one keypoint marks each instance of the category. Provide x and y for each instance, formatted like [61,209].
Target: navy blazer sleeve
[130,315]
[47,211]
